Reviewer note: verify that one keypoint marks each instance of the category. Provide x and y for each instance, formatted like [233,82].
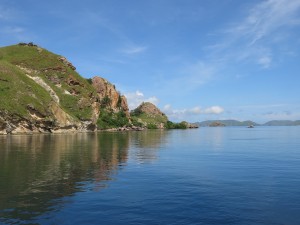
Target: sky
[195,59]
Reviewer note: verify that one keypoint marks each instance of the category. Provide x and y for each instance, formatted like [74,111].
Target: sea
[210,175]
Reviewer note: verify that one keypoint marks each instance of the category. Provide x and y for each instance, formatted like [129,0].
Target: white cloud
[182,114]
[134,50]
[265,61]
[252,38]
[139,94]
[134,99]
[213,110]
[265,18]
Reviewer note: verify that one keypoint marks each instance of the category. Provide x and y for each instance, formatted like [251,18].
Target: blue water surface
[222,175]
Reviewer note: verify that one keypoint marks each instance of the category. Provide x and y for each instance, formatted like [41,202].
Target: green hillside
[147,114]
[20,62]
[17,91]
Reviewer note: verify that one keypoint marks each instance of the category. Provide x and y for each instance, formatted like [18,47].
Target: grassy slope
[18,91]
[150,119]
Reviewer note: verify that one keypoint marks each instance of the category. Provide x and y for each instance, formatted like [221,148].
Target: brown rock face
[66,62]
[149,108]
[124,105]
[105,89]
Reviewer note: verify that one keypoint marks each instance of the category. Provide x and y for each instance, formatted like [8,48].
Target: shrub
[108,119]
[105,102]
[151,126]
[171,125]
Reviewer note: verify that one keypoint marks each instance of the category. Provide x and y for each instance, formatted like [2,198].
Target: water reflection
[147,144]
[35,170]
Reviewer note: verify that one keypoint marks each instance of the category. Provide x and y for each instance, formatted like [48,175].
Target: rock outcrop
[217,124]
[149,109]
[66,62]
[109,96]
[150,116]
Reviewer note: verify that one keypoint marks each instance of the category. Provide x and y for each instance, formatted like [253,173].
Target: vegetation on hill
[41,92]
[149,115]
[74,92]
[17,92]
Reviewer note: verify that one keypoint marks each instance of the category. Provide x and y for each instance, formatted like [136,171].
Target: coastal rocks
[217,124]
[56,121]
[190,125]
[12,124]
[132,128]
[25,126]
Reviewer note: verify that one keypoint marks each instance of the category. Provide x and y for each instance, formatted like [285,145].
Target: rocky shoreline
[69,131]
[23,127]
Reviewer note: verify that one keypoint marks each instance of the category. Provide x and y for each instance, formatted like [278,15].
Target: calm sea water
[202,176]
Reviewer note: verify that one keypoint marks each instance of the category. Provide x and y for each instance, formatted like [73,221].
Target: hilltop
[149,116]
[41,92]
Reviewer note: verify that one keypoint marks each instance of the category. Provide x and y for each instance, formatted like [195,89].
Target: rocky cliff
[105,91]
[42,92]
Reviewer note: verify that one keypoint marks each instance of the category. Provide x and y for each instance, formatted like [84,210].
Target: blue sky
[194,59]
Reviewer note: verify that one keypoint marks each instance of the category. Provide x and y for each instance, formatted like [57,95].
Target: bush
[171,125]
[89,80]
[136,123]
[108,119]
[151,126]
[105,102]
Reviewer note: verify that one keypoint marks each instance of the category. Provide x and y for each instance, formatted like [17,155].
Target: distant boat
[250,126]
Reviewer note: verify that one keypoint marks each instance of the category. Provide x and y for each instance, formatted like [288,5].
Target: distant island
[229,123]
[41,92]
